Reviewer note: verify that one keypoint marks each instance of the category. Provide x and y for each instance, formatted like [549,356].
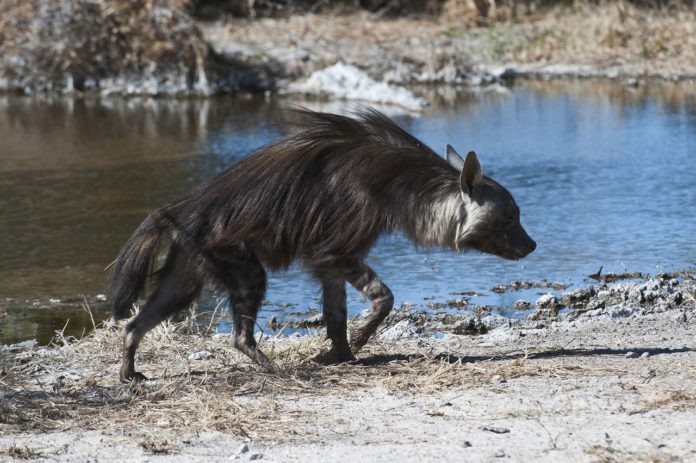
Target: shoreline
[275,317]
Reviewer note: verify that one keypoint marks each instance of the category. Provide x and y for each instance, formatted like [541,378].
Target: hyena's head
[491,222]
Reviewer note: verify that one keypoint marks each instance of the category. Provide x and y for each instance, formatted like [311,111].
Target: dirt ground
[611,380]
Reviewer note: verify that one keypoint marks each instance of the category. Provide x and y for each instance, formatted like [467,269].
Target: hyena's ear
[471,173]
[454,158]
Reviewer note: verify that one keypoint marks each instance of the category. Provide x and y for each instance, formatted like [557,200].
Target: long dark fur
[321,196]
[331,189]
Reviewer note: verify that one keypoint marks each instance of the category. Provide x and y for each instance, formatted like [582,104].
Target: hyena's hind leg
[244,278]
[333,274]
[180,285]
[365,280]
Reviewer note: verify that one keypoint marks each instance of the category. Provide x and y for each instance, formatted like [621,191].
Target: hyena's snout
[519,243]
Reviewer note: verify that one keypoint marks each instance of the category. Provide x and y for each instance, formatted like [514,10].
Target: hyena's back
[329,190]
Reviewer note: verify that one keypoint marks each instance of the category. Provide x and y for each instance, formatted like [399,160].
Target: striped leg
[245,279]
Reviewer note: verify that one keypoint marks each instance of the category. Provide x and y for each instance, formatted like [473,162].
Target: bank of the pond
[164,48]
[610,380]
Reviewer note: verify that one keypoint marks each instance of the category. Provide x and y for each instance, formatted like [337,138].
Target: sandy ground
[613,379]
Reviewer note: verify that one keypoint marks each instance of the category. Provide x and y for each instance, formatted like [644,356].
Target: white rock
[620,311]
[546,300]
[201,355]
[403,329]
[28,344]
[347,82]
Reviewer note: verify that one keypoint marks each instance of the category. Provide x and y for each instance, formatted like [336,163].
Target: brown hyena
[321,196]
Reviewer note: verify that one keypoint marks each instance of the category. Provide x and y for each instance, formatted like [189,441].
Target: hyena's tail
[133,265]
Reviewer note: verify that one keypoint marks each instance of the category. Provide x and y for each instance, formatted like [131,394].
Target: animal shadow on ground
[381,359]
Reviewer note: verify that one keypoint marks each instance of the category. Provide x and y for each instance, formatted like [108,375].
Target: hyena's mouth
[506,252]
[511,254]
[517,253]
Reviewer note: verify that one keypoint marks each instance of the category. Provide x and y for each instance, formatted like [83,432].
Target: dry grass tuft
[677,400]
[158,445]
[610,454]
[22,453]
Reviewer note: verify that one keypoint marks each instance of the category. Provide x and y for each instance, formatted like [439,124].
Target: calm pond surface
[604,174]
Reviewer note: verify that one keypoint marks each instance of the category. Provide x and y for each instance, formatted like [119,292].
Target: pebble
[620,311]
[521,304]
[255,456]
[317,319]
[645,355]
[595,304]
[631,355]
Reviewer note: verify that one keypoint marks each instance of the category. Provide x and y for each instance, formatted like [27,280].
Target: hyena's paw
[262,362]
[135,377]
[333,357]
[358,339]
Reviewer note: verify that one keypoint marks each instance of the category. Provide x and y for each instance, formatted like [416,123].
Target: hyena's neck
[436,221]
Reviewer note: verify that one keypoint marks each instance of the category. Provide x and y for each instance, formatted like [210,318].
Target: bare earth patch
[594,388]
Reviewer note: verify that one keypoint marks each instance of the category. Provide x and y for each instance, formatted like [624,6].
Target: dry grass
[74,384]
[618,31]
[656,40]
[677,400]
[611,454]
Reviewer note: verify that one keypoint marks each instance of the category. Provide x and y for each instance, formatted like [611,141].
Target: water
[605,175]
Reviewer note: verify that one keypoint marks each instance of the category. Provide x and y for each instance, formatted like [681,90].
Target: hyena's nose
[532,246]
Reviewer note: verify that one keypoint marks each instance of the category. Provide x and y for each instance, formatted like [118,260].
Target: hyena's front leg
[365,280]
[336,318]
